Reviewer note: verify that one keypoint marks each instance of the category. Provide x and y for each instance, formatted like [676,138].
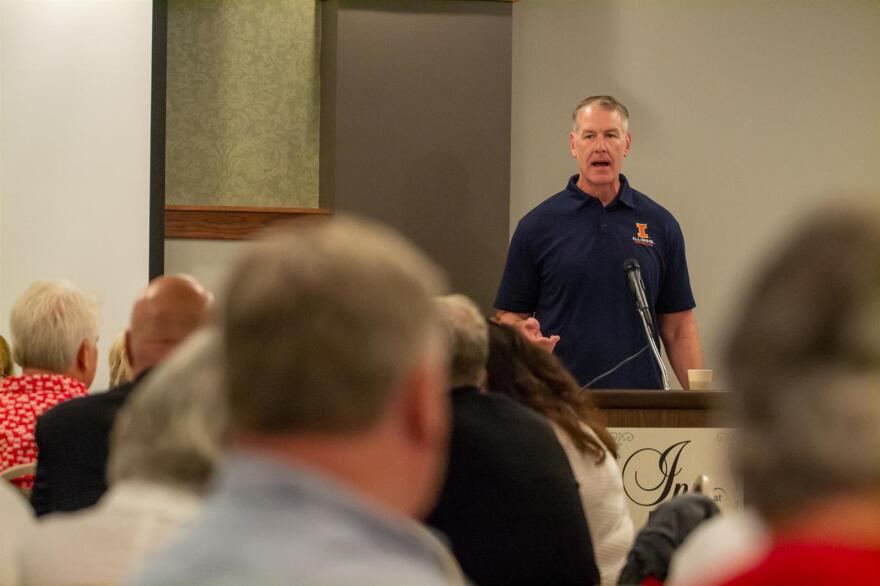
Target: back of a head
[467,334]
[537,379]
[170,309]
[320,322]
[49,323]
[171,431]
[805,363]
[520,369]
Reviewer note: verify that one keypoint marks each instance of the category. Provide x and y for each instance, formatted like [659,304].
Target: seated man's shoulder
[498,407]
[90,407]
[506,434]
[274,554]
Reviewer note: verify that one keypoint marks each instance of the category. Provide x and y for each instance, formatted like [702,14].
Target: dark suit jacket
[510,504]
[72,446]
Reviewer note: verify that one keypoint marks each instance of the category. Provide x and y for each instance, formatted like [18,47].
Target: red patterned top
[22,400]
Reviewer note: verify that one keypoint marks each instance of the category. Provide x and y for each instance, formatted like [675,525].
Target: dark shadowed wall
[415,126]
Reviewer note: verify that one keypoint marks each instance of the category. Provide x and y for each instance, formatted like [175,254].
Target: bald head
[164,315]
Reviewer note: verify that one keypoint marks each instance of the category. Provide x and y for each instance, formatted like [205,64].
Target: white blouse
[604,503]
[106,543]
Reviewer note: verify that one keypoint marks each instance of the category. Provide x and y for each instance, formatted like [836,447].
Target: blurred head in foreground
[172,431]
[334,358]
[805,365]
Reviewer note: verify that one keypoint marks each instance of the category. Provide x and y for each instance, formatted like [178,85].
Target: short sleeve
[675,294]
[520,283]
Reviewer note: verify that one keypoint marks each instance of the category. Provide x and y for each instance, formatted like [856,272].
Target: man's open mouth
[600,163]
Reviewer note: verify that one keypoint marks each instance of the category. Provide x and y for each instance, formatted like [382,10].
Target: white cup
[699,380]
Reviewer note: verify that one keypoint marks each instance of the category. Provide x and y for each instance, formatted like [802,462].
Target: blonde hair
[120,369]
[49,322]
[5,358]
[320,321]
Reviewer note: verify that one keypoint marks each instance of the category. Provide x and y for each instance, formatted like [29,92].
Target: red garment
[22,400]
[816,564]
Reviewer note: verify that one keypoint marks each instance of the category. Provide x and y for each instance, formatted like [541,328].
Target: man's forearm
[508,317]
[681,338]
[684,354]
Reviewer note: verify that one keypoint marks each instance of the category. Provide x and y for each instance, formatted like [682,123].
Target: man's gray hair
[467,333]
[173,428]
[805,365]
[321,322]
[48,324]
[606,103]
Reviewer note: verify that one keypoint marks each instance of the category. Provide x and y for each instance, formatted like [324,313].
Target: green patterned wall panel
[243,102]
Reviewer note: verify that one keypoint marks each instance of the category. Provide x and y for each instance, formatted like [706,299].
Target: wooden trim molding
[656,408]
[229,222]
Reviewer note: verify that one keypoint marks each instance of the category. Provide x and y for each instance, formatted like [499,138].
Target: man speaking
[564,273]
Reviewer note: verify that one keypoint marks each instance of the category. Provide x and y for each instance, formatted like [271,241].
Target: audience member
[17,521]
[668,526]
[335,372]
[120,369]
[5,359]
[804,361]
[164,447]
[54,330]
[722,547]
[537,379]
[73,438]
[510,505]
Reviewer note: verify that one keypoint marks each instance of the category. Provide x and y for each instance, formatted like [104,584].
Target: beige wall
[207,260]
[75,153]
[743,115]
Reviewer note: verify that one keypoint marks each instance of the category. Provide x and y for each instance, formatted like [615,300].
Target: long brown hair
[535,378]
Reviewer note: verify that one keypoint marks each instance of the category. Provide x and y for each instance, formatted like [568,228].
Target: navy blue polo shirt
[565,266]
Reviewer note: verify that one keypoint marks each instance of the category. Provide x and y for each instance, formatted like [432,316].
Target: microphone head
[631,264]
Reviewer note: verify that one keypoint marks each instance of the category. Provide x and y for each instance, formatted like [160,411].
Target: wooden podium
[657,408]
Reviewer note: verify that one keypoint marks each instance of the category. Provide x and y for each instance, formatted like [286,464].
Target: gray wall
[744,114]
[415,126]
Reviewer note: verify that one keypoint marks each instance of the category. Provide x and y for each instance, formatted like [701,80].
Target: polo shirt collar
[625,196]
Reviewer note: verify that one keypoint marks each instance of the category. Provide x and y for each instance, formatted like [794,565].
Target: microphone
[637,286]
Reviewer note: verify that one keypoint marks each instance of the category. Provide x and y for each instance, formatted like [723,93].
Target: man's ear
[426,407]
[83,356]
[86,363]
[127,349]
[629,144]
